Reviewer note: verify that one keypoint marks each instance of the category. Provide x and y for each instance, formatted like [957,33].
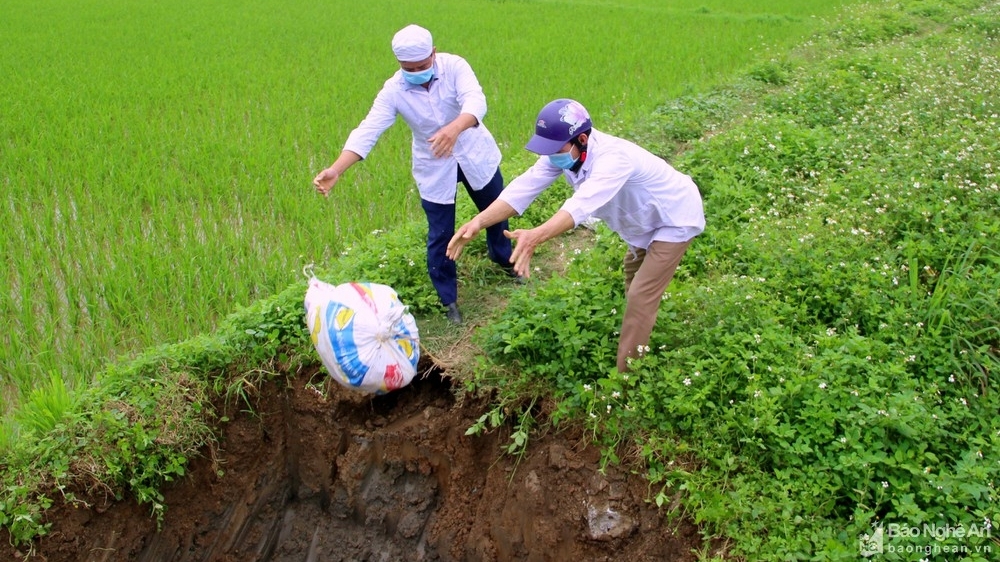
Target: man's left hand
[443,142]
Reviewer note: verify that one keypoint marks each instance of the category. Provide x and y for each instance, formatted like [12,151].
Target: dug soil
[323,473]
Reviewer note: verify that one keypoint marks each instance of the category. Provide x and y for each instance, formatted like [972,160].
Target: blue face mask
[563,160]
[418,78]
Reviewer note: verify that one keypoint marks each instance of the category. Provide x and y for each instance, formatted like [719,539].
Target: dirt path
[335,475]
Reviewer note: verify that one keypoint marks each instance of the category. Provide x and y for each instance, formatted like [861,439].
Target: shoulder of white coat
[609,147]
[448,62]
[395,82]
[392,85]
[448,58]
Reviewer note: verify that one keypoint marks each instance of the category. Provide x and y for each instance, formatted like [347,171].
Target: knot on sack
[388,324]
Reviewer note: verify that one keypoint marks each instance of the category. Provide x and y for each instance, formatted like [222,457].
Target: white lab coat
[454,90]
[636,193]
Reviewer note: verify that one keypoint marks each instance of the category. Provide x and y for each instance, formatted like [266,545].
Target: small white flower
[951,378]
[616,394]
[885,484]
[822,385]
[586,387]
[756,394]
[687,382]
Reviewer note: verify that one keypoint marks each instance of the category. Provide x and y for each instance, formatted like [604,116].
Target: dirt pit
[333,475]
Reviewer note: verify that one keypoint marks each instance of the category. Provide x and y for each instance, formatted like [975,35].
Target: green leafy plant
[824,362]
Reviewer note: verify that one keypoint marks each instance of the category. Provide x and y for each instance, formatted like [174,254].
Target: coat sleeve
[525,188]
[468,91]
[380,117]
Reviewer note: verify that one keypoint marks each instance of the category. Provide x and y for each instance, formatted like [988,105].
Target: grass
[156,160]
[823,363]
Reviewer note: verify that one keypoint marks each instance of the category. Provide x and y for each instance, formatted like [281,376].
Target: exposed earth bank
[331,475]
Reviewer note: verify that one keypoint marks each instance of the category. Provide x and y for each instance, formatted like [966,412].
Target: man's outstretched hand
[463,236]
[525,242]
[325,180]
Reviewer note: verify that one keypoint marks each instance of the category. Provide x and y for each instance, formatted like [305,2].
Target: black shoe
[453,314]
[509,270]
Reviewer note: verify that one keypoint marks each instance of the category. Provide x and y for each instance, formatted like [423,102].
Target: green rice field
[156,158]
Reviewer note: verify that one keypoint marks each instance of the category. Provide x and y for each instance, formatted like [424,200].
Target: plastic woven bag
[364,335]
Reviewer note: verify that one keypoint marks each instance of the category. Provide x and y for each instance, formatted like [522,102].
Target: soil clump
[322,473]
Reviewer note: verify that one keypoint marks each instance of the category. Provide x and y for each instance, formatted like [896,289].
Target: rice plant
[156,158]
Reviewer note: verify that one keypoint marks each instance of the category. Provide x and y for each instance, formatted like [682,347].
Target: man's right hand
[462,236]
[325,180]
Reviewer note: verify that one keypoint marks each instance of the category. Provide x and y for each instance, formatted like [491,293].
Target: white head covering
[412,44]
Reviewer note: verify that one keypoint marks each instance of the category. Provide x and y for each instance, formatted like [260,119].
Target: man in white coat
[439,97]
[654,208]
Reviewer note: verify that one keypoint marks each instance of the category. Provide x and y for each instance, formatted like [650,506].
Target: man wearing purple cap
[439,97]
[653,207]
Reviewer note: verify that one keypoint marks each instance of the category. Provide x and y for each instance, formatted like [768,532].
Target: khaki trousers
[647,274]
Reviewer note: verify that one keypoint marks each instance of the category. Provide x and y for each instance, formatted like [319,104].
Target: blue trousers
[441,228]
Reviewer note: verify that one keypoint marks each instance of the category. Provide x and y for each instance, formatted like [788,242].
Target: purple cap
[558,122]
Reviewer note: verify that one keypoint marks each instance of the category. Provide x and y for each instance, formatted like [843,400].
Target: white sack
[363,334]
